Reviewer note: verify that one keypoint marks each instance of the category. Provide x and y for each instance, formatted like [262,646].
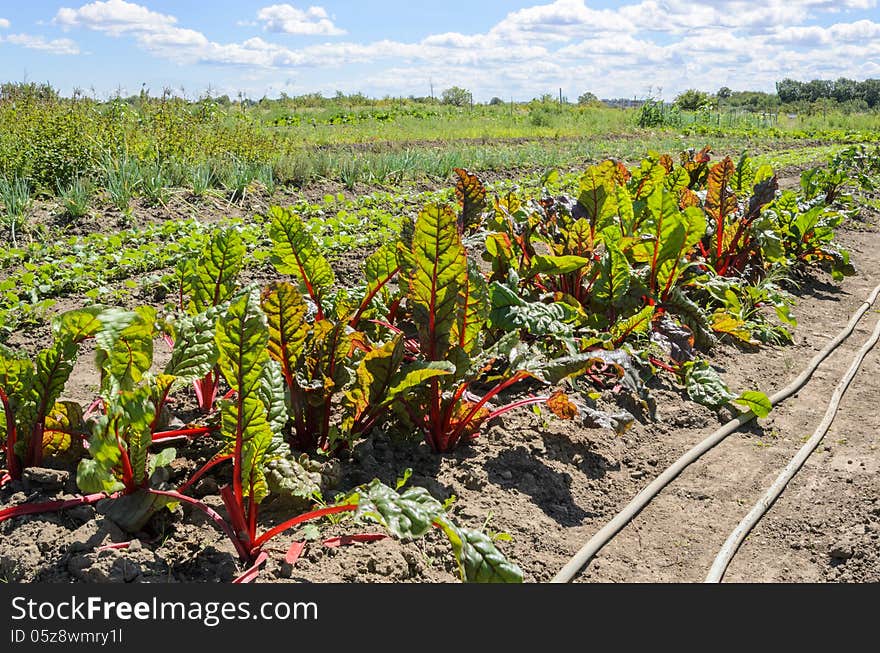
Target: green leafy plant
[35,423]
[449,304]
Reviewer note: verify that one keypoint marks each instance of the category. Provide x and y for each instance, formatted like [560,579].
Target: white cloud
[742,44]
[35,42]
[287,19]
[4,24]
[114,17]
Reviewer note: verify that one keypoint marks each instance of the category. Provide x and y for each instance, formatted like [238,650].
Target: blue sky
[496,48]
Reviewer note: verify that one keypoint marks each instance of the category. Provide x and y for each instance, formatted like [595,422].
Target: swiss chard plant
[315,336]
[448,307]
[35,423]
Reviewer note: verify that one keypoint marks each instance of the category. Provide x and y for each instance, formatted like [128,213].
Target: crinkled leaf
[125,355]
[705,386]
[64,427]
[195,352]
[468,329]
[638,323]
[75,326]
[471,195]
[555,265]
[479,559]
[512,312]
[246,418]
[614,277]
[406,515]
[290,480]
[161,459]
[675,339]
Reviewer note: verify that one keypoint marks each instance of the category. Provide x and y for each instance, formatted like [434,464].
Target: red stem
[369,298]
[183,433]
[519,376]
[517,404]
[253,571]
[12,461]
[238,518]
[207,466]
[217,519]
[127,471]
[309,516]
[663,366]
[52,506]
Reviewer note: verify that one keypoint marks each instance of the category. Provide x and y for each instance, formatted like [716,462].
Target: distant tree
[817,89]
[790,90]
[846,90]
[457,97]
[870,90]
[692,99]
[588,98]
[495,101]
[724,93]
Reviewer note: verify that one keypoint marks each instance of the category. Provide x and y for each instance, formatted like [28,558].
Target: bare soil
[552,484]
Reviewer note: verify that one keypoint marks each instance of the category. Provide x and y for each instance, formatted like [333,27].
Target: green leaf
[755,401]
[286,312]
[379,268]
[127,354]
[557,369]
[242,336]
[705,386]
[161,459]
[63,428]
[288,479]
[511,312]
[406,515]
[613,281]
[245,418]
[468,330]
[194,353]
[93,475]
[479,559]
[373,380]
[438,278]
[131,415]
[295,252]
[212,277]
[471,196]
[554,265]
[415,374]
[272,391]
[75,326]
[638,323]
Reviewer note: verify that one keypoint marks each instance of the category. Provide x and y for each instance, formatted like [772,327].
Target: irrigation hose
[643,498]
[725,555]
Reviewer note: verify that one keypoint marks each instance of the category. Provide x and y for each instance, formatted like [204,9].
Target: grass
[76,198]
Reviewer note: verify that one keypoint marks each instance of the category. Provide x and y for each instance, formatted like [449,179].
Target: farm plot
[510,368]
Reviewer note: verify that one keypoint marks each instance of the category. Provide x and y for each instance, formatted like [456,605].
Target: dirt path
[826,525]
